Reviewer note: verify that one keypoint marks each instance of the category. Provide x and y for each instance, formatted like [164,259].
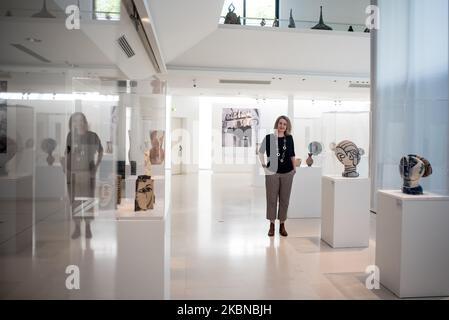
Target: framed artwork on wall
[239,127]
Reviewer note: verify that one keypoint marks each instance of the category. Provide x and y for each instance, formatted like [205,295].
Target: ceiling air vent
[126,47]
[245,82]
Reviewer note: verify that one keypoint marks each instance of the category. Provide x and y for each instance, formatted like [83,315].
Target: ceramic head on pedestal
[349,155]
[412,168]
[145,197]
[48,146]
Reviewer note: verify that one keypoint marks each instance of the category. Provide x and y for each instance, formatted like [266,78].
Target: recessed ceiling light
[34,40]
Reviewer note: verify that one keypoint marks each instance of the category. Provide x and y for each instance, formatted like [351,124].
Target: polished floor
[217,248]
[220,248]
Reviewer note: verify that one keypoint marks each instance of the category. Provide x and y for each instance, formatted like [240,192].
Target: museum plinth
[412,243]
[345,211]
[305,199]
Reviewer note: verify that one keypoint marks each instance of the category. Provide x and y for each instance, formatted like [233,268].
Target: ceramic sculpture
[412,168]
[291,23]
[309,160]
[231,17]
[48,146]
[44,12]
[321,25]
[315,148]
[349,155]
[145,197]
[275,23]
[263,22]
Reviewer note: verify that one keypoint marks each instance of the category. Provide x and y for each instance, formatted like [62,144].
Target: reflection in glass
[81,168]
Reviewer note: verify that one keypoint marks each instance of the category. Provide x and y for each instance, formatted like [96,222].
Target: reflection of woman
[82,146]
[157,153]
[280,170]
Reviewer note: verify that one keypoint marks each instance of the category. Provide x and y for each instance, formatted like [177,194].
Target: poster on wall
[3,119]
[239,127]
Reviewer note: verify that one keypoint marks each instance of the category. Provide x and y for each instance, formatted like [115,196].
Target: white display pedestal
[305,199]
[140,234]
[412,243]
[16,212]
[345,211]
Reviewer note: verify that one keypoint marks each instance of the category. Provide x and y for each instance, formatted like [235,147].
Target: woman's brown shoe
[271,231]
[282,230]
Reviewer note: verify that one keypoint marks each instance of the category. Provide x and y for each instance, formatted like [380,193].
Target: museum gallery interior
[134,135]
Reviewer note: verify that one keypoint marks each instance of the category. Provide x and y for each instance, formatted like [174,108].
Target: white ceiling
[94,46]
[58,45]
[327,61]
[181,24]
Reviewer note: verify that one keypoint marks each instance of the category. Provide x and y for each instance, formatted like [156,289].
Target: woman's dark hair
[83,117]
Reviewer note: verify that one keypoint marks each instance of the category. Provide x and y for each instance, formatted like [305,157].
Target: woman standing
[279,172]
[82,147]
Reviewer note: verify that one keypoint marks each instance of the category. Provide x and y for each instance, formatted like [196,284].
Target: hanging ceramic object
[44,12]
[231,17]
[351,29]
[291,23]
[349,155]
[412,168]
[321,25]
[263,22]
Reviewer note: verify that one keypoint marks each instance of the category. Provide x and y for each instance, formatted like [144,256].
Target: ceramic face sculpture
[348,154]
[412,168]
[48,146]
[145,197]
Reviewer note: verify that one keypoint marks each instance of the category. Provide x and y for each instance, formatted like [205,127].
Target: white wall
[334,11]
